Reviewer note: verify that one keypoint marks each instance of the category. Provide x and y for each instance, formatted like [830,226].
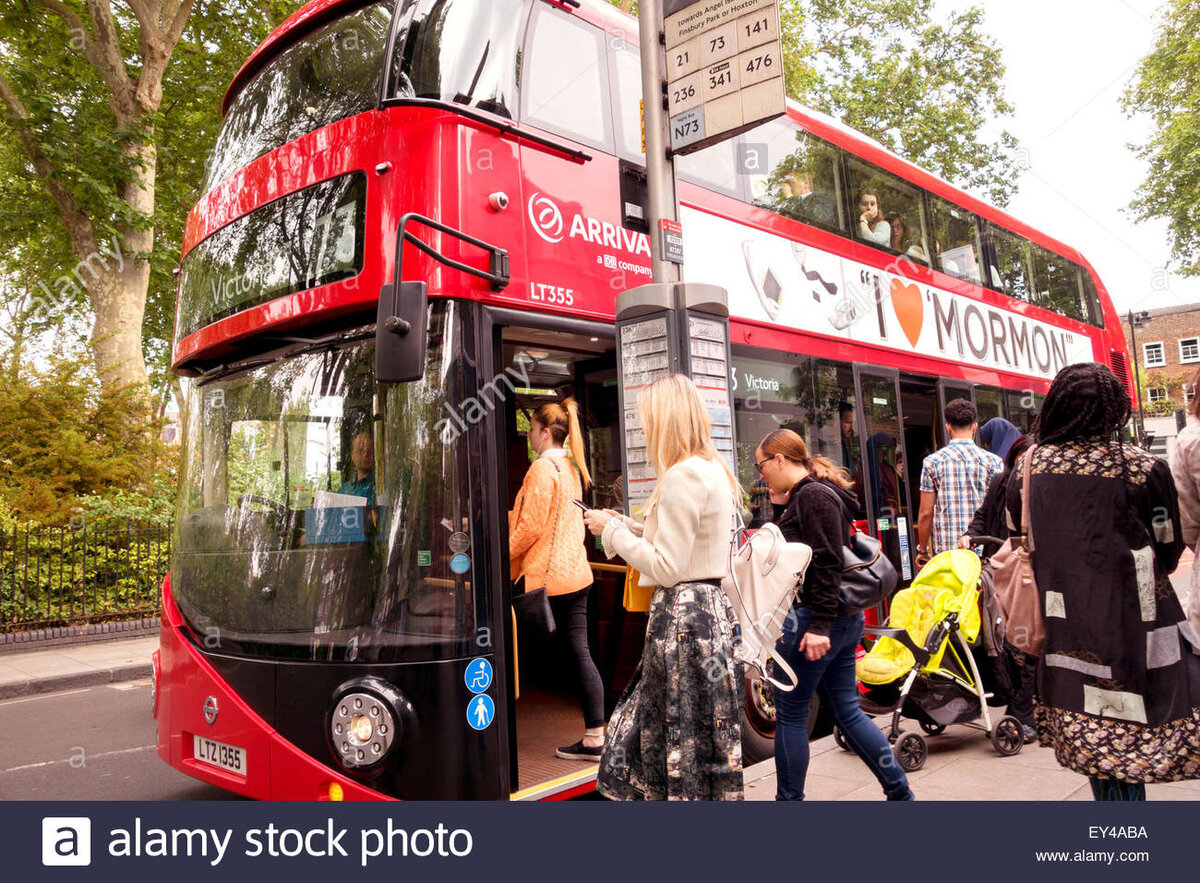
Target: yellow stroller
[922,667]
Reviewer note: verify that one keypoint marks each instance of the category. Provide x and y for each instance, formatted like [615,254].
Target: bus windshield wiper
[305,345]
[231,368]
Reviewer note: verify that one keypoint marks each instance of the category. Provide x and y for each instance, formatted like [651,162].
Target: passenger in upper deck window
[872,226]
[798,200]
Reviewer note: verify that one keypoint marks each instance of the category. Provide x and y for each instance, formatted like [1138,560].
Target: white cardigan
[686,536]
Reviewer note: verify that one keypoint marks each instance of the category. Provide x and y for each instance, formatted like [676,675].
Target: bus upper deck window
[1058,284]
[627,74]
[564,87]
[329,74]
[955,240]
[714,167]
[1012,273]
[795,174]
[887,211]
[462,51]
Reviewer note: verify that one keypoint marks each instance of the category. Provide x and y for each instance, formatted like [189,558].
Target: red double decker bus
[337,620]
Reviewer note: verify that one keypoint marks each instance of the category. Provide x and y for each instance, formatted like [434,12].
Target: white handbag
[765,574]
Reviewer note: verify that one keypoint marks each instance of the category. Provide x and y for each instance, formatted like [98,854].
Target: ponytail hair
[792,447]
[562,419]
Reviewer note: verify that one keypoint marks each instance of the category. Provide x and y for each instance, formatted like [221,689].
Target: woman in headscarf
[998,436]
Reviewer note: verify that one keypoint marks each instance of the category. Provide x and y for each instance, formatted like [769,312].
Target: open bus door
[546,359]
[887,495]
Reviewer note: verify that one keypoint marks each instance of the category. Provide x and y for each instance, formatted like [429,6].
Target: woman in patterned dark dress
[676,733]
[1119,697]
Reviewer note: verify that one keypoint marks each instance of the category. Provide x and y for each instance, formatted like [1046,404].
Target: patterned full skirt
[676,733]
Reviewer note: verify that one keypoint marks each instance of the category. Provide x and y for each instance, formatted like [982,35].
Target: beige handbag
[1013,582]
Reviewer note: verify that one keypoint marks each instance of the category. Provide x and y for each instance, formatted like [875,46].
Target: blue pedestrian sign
[478,675]
[480,712]
[460,564]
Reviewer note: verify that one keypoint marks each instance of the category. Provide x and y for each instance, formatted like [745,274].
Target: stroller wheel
[911,752]
[933,729]
[1008,736]
[840,738]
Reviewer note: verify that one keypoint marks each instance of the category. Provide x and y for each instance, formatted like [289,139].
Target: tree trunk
[119,295]
[117,332]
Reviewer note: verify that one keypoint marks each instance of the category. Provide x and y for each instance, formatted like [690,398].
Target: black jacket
[812,516]
[990,520]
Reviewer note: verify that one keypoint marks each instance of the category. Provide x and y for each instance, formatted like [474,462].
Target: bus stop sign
[724,69]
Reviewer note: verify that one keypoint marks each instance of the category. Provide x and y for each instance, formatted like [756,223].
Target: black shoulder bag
[868,577]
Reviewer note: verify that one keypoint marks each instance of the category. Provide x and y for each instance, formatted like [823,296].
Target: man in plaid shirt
[954,482]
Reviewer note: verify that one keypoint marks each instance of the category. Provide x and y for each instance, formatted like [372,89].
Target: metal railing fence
[81,573]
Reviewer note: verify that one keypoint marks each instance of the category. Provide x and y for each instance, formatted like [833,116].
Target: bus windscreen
[324,516]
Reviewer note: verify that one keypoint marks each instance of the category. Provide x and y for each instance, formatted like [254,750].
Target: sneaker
[1030,733]
[579,751]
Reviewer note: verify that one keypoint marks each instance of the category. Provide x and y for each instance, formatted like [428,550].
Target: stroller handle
[985,541]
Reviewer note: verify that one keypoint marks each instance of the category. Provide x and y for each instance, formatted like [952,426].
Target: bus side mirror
[401,333]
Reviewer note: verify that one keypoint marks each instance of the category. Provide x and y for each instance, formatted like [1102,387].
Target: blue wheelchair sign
[480,712]
[478,676]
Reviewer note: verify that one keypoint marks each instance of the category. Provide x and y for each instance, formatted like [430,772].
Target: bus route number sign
[724,69]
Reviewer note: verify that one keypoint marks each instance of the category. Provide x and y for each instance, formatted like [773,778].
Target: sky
[1068,64]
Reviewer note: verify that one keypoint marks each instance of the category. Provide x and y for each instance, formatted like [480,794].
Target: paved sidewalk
[75,665]
[962,765]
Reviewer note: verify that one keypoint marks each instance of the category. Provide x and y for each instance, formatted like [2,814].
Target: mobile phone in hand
[582,505]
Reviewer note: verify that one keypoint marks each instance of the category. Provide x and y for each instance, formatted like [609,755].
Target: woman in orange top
[545,545]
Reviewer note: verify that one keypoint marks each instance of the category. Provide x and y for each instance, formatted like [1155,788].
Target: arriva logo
[546,218]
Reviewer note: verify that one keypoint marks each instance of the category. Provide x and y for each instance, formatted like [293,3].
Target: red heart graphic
[910,309]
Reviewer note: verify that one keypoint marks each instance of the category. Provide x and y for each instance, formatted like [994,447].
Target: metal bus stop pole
[660,168]
[667,327]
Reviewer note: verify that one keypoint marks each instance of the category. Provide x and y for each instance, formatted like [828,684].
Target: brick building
[1168,358]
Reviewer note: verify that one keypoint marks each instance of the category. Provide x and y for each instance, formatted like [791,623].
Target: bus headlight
[364,722]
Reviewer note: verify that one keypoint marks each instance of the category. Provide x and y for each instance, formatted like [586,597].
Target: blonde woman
[545,546]
[676,733]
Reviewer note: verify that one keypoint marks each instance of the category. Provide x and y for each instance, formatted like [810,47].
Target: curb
[38,686]
[59,636]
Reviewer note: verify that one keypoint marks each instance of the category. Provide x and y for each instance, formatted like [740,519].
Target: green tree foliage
[928,85]
[66,448]
[108,110]
[1167,89]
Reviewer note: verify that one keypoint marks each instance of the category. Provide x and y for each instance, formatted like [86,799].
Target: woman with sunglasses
[818,643]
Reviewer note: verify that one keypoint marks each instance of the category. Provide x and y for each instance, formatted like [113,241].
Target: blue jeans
[833,678]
